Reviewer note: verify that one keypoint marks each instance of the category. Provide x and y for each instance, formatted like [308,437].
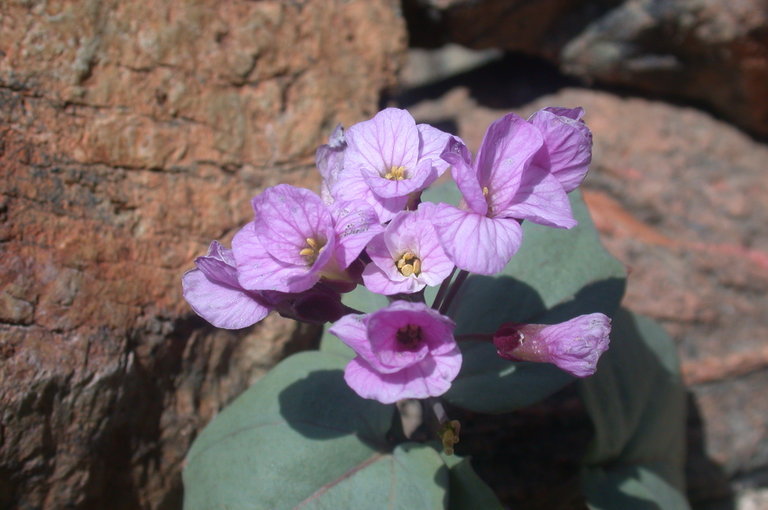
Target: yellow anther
[396,173]
[449,435]
[312,250]
[408,264]
[485,191]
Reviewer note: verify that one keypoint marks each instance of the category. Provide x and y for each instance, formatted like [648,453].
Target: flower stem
[455,286]
[477,337]
[442,290]
[447,430]
[348,310]
[438,409]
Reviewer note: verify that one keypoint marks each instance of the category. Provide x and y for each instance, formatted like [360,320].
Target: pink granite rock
[133,133]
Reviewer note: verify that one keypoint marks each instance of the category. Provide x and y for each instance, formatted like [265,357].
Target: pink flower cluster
[369,226]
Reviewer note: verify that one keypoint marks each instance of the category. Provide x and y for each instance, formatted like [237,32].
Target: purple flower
[567,149]
[387,159]
[213,292]
[499,190]
[575,345]
[295,239]
[318,305]
[406,350]
[329,159]
[407,256]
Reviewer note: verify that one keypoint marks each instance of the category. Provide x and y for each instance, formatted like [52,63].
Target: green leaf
[637,404]
[556,275]
[300,438]
[468,491]
[295,431]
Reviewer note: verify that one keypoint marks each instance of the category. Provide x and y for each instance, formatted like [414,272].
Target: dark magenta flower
[574,346]
[406,350]
[213,292]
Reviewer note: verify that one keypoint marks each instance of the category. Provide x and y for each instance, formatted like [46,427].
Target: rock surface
[706,51]
[132,134]
[681,198]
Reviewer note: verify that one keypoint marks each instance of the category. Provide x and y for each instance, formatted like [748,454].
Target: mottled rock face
[132,134]
[707,51]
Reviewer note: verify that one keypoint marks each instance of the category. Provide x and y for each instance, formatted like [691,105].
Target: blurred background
[133,133]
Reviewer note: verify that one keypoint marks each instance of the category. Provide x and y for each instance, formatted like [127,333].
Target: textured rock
[707,51]
[682,200]
[132,134]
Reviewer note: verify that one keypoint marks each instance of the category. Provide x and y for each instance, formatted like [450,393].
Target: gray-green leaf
[637,404]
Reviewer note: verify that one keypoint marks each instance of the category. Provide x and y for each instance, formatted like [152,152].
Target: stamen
[312,250]
[486,191]
[396,173]
[409,336]
[408,264]
[449,435]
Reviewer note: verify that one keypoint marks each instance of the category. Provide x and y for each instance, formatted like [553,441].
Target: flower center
[396,173]
[312,250]
[409,264]
[409,336]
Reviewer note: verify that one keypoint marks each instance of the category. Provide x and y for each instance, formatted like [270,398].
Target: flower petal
[352,331]
[352,186]
[507,149]
[477,243]
[432,142]
[465,175]
[540,199]
[576,345]
[387,283]
[430,378]
[567,144]
[258,270]
[388,139]
[356,223]
[286,216]
[418,178]
[223,306]
[218,265]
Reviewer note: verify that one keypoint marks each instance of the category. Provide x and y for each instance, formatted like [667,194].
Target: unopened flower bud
[574,346]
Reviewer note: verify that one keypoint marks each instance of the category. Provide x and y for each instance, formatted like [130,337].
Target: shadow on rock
[708,485]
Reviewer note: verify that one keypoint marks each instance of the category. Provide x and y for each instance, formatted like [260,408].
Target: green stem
[477,337]
[348,310]
[442,290]
[455,286]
